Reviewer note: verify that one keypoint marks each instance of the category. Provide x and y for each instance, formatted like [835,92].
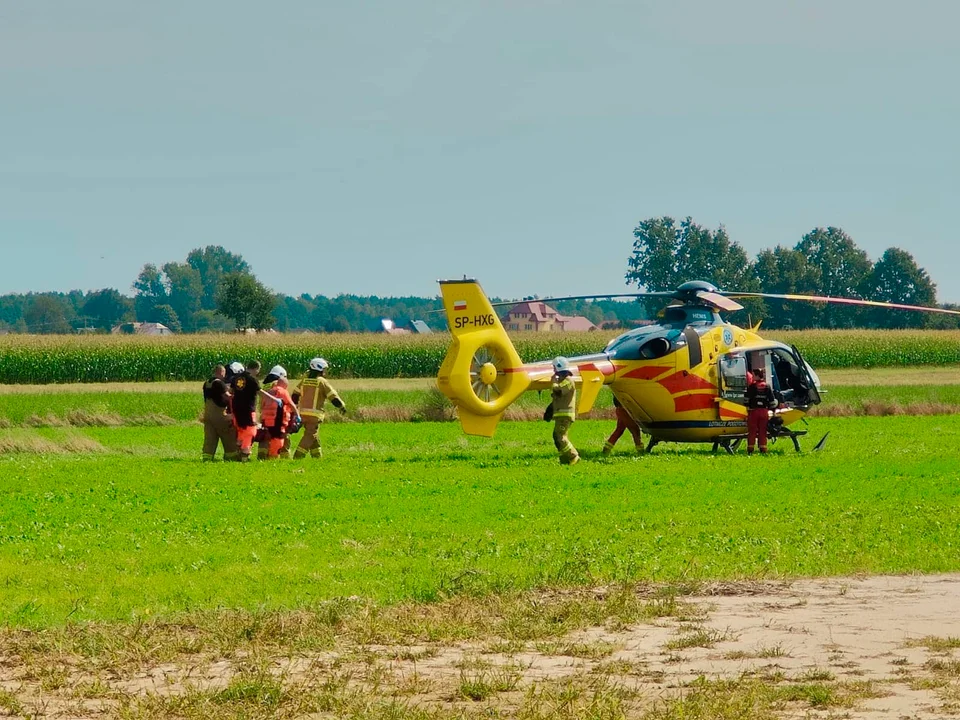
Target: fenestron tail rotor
[486,371]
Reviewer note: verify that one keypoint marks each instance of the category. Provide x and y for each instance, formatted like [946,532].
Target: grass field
[135,526]
[871,392]
[417,573]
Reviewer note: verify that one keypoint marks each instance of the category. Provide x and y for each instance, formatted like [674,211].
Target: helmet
[561,364]
[235,368]
[319,364]
[277,371]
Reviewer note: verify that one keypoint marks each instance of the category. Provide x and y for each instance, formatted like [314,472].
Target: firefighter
[624,422]
[314,391]
[760,401]
[217,421]
[563,410]
[277,413]
[246,388]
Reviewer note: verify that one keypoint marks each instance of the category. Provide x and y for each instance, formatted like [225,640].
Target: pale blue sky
[373,147]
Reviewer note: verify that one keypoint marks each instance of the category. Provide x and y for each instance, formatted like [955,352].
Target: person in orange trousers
[624,423]
[277,412]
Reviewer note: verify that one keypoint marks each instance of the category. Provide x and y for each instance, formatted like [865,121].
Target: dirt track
[900,634]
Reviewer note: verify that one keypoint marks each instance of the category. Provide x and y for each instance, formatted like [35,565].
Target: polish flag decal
[459,305]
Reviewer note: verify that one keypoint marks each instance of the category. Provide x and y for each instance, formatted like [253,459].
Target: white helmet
[235,368]
[561,364]
[319,364]
[278,371]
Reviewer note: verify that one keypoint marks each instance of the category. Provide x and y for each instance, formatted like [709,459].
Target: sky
[375,147]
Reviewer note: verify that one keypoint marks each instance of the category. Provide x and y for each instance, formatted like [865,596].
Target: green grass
[419,403]
[417,511]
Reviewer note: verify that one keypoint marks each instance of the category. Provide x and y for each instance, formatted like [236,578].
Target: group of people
[233,394]
[240,410]
[759,398]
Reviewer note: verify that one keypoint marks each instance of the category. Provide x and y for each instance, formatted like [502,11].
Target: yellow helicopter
[682,380]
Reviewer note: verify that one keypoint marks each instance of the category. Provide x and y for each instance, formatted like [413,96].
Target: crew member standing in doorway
[760,401]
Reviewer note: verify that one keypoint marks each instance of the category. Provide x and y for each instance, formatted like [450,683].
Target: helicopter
[682,379]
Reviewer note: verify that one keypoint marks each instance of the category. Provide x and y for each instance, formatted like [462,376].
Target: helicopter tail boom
[482,373]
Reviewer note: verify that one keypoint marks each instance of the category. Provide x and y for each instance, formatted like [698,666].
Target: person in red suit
[760,401]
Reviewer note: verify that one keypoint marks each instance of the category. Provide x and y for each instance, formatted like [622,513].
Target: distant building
[540,317]
[417,327]
[139,328]
[390,327]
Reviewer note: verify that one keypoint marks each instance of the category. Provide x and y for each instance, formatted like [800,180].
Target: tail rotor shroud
[486,373]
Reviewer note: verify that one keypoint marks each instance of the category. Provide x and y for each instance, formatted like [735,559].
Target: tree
[185,292]
[245,300]
[653,265]
[165,315]
[785,271]
[207,321]
[106,308]
[842,267]
[212,263]
[337,324]
[150,291]
[897,278]
[46,315]
[666,256]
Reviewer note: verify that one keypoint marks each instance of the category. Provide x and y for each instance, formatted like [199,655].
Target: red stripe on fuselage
[684,382]
[726,414]
[646,373]
[686,403]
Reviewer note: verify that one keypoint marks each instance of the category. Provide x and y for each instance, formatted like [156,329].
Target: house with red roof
[537,316]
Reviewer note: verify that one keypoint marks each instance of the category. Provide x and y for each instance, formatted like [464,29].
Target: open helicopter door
[810,375]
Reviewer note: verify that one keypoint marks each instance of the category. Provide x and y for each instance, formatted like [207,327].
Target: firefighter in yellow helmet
[314,391]
[563,409]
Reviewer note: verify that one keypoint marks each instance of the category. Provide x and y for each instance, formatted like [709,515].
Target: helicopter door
[811,377]
[732,376]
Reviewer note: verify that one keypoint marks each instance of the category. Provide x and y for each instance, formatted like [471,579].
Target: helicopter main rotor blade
[843,301]
[662,293]
[721,301]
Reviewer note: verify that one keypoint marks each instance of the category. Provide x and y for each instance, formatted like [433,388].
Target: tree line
[215,290]
[825,262]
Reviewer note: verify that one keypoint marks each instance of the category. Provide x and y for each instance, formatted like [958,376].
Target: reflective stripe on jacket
[314,392]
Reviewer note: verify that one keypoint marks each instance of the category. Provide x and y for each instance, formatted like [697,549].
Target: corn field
[64,358]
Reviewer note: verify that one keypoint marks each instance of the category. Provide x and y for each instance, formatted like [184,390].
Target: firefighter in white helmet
[277,414]
[563,409]
[314,391]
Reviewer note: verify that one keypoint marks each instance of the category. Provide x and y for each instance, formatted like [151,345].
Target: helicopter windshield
[645,343]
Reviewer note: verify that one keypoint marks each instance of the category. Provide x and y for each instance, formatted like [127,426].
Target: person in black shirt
[217,423]
[760,400]
[246,388]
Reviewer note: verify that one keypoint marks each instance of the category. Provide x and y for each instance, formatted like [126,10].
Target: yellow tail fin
[482,372]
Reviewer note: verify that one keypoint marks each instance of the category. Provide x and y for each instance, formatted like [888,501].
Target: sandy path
[850,629]
[879,629]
